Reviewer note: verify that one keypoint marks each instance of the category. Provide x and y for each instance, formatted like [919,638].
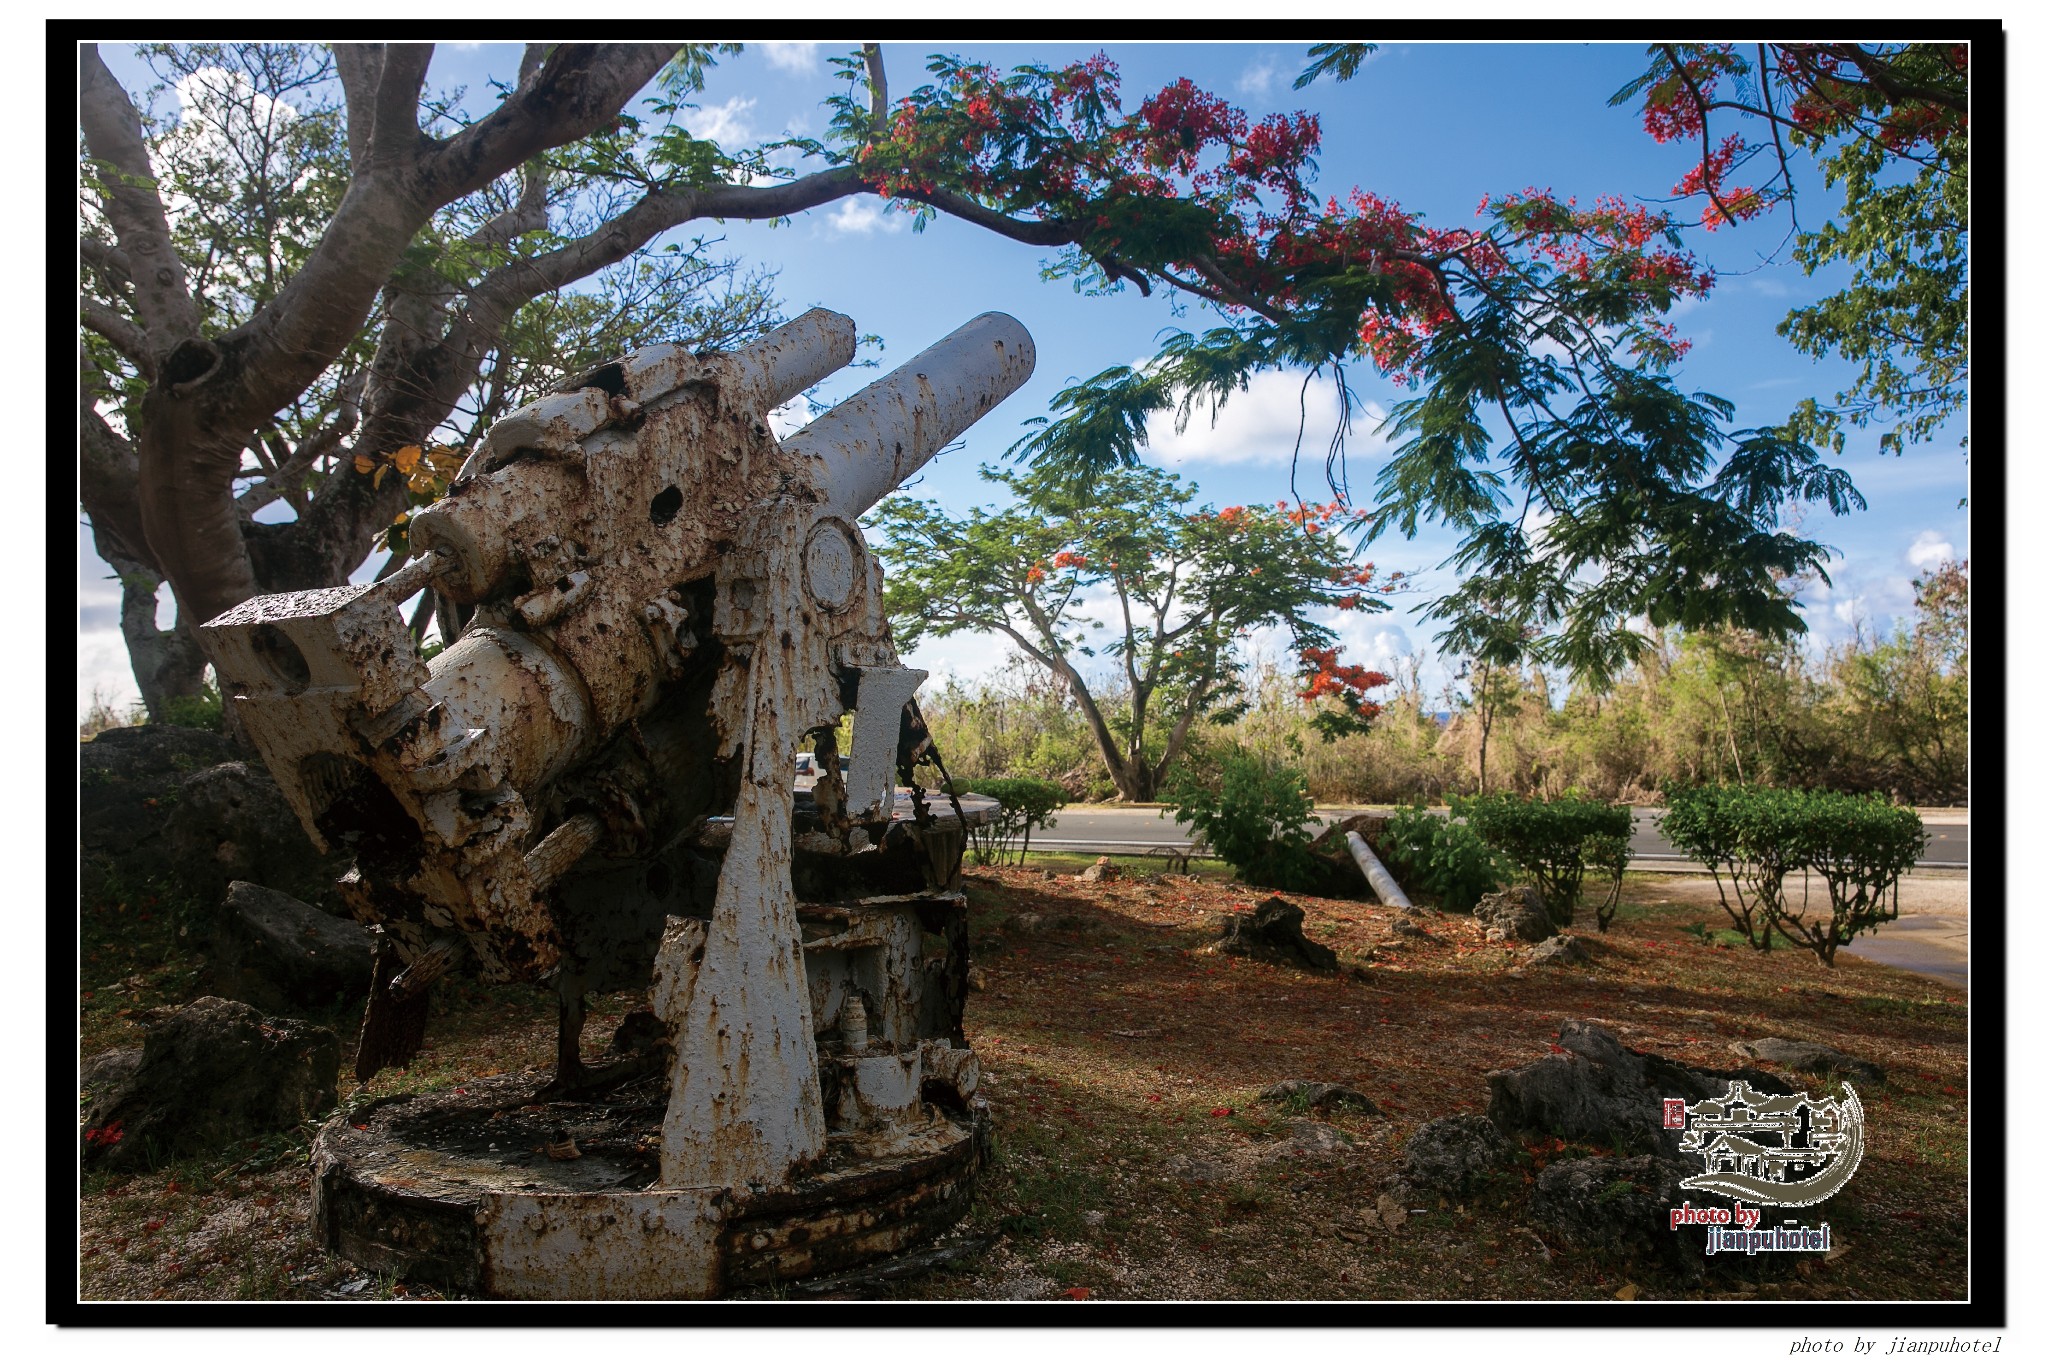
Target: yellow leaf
[407,458]
[377,479]
[446,458]
[401,519]
[364,464]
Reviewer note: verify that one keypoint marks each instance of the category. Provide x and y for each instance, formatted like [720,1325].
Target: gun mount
[591,787]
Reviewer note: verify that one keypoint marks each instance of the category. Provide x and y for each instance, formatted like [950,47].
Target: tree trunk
[189,457]
[1485,698]
[167,663]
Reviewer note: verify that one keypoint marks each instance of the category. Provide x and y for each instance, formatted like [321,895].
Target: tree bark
[168,664]
[210,396]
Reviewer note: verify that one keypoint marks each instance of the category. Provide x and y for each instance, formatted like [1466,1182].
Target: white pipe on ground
[1383,884]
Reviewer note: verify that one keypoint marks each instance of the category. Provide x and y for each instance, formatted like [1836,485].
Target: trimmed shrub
[1547,839]
[1028,803]
[1751,838]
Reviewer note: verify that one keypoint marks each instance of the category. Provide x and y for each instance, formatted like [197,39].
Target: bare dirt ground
[1134,1157]
[1931,935]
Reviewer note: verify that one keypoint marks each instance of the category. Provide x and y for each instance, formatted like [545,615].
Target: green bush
[1547,839]
[1028,803]
[202,712]
[1746,834]
[1860,846]
[1256,819]
[1608,855]
[1437,858]
[1757,836]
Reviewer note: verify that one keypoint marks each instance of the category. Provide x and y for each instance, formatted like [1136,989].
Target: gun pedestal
[591,788]
[461,1190]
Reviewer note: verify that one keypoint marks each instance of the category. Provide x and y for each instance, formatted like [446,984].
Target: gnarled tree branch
[124,335]
[113,135]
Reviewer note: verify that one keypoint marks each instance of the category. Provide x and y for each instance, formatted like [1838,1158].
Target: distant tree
[1941,608]
[1183,588]
[1906,700]
[1495,643]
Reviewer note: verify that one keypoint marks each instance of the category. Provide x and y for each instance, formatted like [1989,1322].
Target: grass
[1134,1159]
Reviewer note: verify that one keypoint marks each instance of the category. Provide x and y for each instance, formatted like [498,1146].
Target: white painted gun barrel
[1383,884]
[871,444]
[794,356]
[760,376]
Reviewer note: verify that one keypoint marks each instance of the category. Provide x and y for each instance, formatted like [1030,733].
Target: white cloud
[861,216]
[1929,548]
[1769,288]
[1374,641]
[726,124]
[1258,79]
[102,655]
[103,670]
[792,416]
[1848,609]
[1262,424]
[791,56]
[969,658]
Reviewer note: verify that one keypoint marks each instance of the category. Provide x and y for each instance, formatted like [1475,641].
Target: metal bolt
[853,1024]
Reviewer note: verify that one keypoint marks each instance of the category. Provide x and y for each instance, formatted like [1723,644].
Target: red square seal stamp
[1674,1113]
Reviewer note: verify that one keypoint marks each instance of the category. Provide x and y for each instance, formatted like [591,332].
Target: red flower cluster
[1181,120]
[1070,559]
[104,1137]
[1348,683]
[1312,517]
[1831,96]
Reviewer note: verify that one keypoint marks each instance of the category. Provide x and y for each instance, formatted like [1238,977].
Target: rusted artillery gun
[592,785]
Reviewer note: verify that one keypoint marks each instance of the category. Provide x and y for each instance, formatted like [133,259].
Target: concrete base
[460,1190]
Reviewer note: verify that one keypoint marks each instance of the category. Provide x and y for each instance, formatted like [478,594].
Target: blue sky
[1431,126]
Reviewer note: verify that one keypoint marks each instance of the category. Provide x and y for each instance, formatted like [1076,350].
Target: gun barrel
[797,355]
[874,441]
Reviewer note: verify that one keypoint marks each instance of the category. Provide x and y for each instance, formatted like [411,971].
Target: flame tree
[1181,589]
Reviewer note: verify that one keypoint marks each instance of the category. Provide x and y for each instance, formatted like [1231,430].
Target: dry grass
[1110,1041]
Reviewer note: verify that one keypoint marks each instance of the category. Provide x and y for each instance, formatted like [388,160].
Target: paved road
[1110,829]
